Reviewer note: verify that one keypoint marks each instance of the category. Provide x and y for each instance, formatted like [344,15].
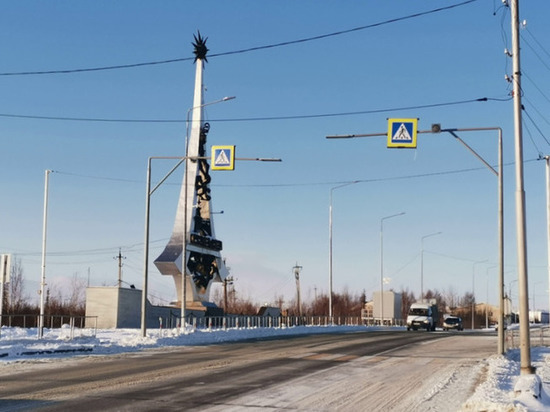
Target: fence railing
[248,322]
[51,322]
[370,321]
[538,336]
[88,324]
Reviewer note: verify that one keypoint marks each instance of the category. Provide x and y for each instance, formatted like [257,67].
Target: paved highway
[356,371]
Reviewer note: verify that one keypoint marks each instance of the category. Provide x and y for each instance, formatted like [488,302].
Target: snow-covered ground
[503,389]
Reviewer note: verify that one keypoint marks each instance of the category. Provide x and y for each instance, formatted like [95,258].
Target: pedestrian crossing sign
[223,157]
[402,133]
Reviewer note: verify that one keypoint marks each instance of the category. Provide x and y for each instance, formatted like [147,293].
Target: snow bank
[501,388]
[505,390]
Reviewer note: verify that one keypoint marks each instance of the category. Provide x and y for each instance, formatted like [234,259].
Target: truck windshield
[418,312]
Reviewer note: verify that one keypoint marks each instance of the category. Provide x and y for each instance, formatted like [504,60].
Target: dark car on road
[452,322]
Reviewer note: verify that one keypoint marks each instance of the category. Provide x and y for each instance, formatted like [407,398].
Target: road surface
[375,371]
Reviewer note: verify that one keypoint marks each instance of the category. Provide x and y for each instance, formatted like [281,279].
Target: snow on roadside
[497,392]
[494,393]
[23,344]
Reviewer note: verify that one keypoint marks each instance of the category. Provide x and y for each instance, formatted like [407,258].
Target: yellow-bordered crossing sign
[402,133]
[223,158]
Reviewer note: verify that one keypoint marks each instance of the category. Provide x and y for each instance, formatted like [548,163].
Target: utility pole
[521,237]
[5,268]
[547,158]
[226,281]
[297,270]
[119,257]
[44,237]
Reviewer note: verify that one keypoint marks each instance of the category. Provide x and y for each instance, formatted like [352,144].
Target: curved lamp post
[330,247]
[422,263]
[473,289]
[382,264]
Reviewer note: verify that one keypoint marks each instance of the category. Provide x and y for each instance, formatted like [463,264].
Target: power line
[536,127]
[537,110]
[536,54]
[247,50]
[538,42]
[115,179]
[88,252]
[536,86]
[375,180]
[531,138]
[332,183]
[297,117]
[338,33]
[262,118]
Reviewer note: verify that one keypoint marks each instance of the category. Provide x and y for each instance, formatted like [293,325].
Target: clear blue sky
[275,214]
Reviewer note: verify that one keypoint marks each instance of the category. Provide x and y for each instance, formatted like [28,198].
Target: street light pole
[382,264]
[500,178]
[422,263]
[510,296]
[44,235]
[297,270]
[487,291]
[547,158]
[330,248]
[473,290]
[149,192]
[436,128]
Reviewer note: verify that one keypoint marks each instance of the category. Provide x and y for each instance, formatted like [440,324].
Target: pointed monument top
[200,47]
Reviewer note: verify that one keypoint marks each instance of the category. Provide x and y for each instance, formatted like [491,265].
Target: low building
[117,307]
[391,310]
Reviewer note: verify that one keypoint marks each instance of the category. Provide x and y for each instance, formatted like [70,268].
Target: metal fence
[370,321]
[249,322]
[538,336]
[88,323]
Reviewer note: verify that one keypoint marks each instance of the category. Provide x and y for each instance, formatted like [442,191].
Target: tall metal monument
[194,227]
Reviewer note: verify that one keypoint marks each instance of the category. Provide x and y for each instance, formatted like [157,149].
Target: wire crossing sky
[247,50]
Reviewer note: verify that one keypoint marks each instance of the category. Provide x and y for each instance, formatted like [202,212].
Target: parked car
[452,322]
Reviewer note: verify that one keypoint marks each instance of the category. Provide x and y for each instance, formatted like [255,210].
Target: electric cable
[536,127]
[526,128]
[262,118]
[250,49]
[536,86]
[536,53]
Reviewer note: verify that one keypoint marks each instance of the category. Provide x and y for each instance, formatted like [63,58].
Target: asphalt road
[374,370]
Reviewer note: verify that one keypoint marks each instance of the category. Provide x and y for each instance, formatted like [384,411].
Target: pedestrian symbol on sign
[402,133]
[222,159]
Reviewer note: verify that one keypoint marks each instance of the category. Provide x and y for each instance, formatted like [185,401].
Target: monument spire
[201,262]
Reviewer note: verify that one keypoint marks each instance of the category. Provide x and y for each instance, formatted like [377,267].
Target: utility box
[114,307]
[392,306]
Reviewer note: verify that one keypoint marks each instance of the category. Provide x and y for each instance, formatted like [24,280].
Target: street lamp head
[228,98]
[430,235]
[395,215]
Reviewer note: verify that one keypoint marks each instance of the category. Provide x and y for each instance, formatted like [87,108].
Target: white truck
[423,315]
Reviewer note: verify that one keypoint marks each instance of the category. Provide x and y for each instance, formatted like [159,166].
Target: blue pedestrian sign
[402,133]
[223,158]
